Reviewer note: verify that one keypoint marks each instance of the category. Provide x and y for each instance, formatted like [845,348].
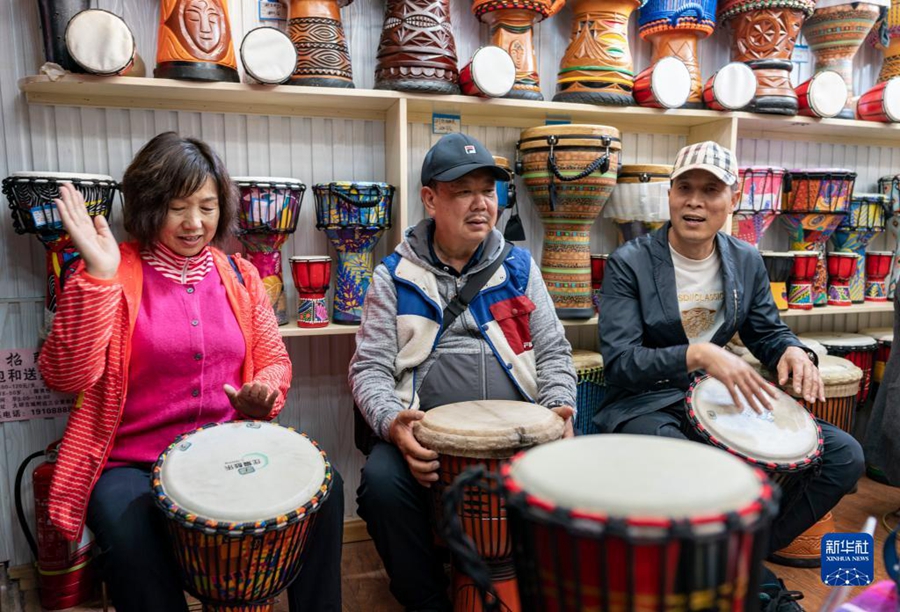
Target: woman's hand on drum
[737,375]
[796,364]
[566,413]
[92,237]
[423,463]
[254,400]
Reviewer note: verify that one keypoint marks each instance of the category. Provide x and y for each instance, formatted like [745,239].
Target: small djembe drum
[763,37]
[858,348]
[598,268]
[779,267]
[268,214]
[881,103]
[890,186]
[194,42]
[864,221]
[354,216]
[597,66]
[268,56]
[491,73]
[483,433]
[590,391]
[886,36]
[884,336]
[241,499]
[312,277]
[878,267]
[841,268]
[803,275]
[665,84]
[323,58]
[570,171]
[506,190]
[640,202]
[674,28]
[101,43]
[824,95]
[816,204]
[761,190]
[31,196]
[417,52]
[731,88]
[55,16]
[512,28]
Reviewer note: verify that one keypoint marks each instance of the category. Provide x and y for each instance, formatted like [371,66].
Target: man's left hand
[566,413]
[796,364]
[254,400]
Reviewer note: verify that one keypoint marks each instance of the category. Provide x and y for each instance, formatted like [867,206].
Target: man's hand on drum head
[423,463]
[92,237]
[737,375]
[796,364]
[254,400]
[566,413]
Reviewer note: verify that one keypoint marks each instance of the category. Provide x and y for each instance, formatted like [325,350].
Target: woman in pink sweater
[158,337]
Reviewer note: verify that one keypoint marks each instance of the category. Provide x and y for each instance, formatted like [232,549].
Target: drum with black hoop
[591,389]
[241,499]
[761,194]
[640,202]
[884,336]
[779,267]
[865,219]
[100,42]
[858,348]
[268,55]
[466,434]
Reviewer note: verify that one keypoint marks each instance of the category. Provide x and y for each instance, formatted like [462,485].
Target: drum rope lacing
[601,164]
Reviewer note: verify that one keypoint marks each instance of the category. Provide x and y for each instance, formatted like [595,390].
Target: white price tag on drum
[801,54]
[270,10]
[445,124]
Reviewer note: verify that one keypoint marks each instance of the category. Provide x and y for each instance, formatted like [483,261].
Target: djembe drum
[54,17]
[597,66]
[878,267]
[100,42]
[823,95]
[598,267]
[323,59]
[779,267]
[864,220]
[881,103]
[31,196]
[506,190]
[761,192]
[890,186]
[591,389]
[731,88]
[354,215]
[763,37]
[268,55]
[665,84]
[884,336]
[194,41]
[570,171]
[241,499]
[816,204]
[640,202]
[488,433]
[312,277]
[803,275]
[268,214]
[674,27]
[417,52]
[841,269]
[491,73]
[858,348]
[886,36]
[512,28]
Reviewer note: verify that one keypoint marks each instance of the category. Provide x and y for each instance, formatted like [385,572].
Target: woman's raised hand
[91,236]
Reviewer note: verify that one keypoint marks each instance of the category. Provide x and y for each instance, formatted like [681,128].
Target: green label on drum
[247,464]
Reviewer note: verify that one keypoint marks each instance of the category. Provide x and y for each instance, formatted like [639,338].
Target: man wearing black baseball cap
[454,314]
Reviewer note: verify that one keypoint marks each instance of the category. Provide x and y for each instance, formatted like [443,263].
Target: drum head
[787,434]
[243,471]
[100,42]
[678,479]
[268,55]
[838,371]
[841,339]
[891,100]
[884,334]
[814,345]
[493,71]
[827,93]
[578,135]
[671,82]
[310,258]
[644,173]
[734,85]
[62,177]
[487,429]
[587,360]
[268,181]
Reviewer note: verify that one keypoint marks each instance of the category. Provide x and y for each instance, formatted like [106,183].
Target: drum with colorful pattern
[841,268]
[890,186]
[312,277]
[878,267]
[864,221]
[803,275]
[591,389]
[761,194]
[779,267]
[886,36]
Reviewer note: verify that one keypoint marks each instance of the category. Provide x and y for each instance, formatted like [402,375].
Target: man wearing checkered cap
[672,299]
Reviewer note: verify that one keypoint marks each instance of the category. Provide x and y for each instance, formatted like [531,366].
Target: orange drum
[323,58]
[890,46]
[194,42]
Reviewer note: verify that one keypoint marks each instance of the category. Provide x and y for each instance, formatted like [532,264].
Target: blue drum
[591,389]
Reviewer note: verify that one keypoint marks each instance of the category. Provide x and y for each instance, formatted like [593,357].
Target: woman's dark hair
[167,168]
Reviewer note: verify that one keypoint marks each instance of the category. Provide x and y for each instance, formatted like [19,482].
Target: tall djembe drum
[763,37]
[512,28]
[597,66]
[674,27]
[354,215]
[31,196]
[761,192]
[890,186]
[194,41]
[640,202]
[268,214]
[886,36]
[417,52]
[864,220]
[316,29]
[570,172]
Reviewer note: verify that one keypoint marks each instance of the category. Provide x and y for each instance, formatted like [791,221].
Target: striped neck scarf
[177,268]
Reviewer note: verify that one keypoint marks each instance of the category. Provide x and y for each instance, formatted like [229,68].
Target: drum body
[598,268]
[570,172]
[803,275]
[878,267]
[354,216]
[822,95]
[597,66]
[590,391]
[673,28]
[55,16]
[491,73]
[841,268]
[779,267]
[732,87]
[312,277]
[884,336]
[268,55]
[890,65]
[323,58]
[665,84]
[30,196]
[417,52]
[761,193]
[881,103]
[269,211]
[100,42]
[194,42]
[640,202]
[858,348]
[863,222]
[890,186]
[240,544]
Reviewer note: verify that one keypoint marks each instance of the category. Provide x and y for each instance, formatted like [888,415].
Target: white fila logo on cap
[470,150]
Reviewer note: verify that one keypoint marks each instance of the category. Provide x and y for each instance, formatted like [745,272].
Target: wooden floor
[365,584]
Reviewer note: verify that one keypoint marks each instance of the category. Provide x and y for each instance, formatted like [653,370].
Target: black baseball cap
[456,155]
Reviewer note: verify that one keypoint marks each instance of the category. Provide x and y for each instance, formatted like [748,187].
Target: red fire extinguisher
[65,573]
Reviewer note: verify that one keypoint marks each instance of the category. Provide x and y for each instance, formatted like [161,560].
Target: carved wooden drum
[194,41]
[323,59]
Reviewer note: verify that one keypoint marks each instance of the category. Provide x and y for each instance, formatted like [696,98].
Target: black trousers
[842,466]
[139,565]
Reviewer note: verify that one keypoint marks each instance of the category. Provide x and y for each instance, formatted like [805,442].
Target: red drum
[665,84]
[598,267]
[881,103]
[878,266]
[312,277]
[884,336]
[857,348]
[841,267]
[491,73]
[823,95]
[800,293]
[731,88]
